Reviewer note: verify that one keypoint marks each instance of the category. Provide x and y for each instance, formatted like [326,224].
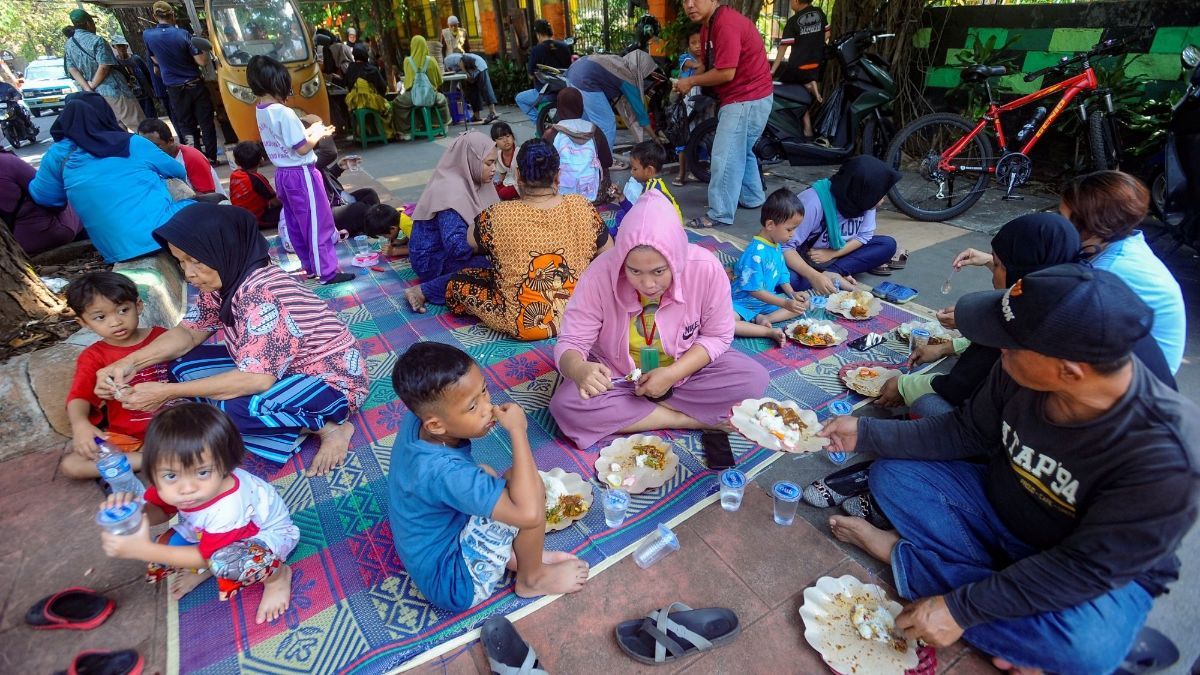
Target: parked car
[46,85]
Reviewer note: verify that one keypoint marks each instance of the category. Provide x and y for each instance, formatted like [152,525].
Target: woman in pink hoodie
[651,295]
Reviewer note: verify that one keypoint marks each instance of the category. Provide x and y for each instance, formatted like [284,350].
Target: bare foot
[551,557]
[335,443]
[857,531]
[415,298]
[762,320]
[567,576]
[1001,664]
[182,583]
[277,595]
[779,336]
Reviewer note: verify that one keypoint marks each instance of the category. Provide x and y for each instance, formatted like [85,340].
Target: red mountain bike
[946,161]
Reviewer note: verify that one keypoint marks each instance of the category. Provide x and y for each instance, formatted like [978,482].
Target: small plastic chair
[431,129]
[363,117]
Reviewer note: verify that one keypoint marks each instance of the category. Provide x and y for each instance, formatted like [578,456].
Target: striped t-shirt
[284,329]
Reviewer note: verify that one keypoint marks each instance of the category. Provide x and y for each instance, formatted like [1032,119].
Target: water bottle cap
[786,491]
[840,408]
[116,514]
[733,478]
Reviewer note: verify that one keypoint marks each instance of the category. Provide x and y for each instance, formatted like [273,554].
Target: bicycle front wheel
[927,191]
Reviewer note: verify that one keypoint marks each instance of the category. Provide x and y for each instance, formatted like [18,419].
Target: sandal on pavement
[881,271]
[75,608]
[618,166]
[703,222]
[678,183]
[838,486]
[899,260]
[1152,651]
[669,634]
[507,653]
[894,293]
[96,662]
[862,507]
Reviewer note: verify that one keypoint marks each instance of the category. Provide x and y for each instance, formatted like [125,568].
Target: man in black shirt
[548,51]
[805,53]
[1038,521]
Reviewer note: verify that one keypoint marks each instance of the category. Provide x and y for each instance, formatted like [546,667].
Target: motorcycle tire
[953,127]
[698,152]
[547,117]
[1101,145]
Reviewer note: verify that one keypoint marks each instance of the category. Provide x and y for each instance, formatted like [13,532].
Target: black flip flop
[1152,651]
[75,608]
[95,662]
[676,632]
[507,653]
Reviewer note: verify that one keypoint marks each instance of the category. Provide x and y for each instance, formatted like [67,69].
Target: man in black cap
[1039,521]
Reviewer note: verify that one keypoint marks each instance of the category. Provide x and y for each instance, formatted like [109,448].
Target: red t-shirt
[251,191]
[199,171]
[121,421]
[737,44]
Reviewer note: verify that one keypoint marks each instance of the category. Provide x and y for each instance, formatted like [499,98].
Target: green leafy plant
[508,79]
[983,53]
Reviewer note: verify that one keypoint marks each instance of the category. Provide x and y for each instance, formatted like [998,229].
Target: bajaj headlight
[241,93]
[309,89]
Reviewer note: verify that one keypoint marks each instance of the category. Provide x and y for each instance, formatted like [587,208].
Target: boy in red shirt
[251,190]
[107,303]
[201,175]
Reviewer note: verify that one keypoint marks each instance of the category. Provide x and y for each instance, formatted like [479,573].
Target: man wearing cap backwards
[454,38]
[91,63]
[178,61]
[1039,521]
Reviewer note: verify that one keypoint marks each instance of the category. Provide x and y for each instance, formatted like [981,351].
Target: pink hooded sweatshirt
[694,310]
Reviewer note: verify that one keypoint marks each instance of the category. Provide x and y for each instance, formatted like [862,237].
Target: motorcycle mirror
[1190,56]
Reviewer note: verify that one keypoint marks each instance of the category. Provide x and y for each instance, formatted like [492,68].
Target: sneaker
[838,486]
[862,507]
[339,278]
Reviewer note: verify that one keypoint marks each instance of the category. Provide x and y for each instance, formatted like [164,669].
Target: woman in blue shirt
[115,181]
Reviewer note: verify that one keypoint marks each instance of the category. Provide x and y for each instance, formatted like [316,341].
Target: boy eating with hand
[458,525]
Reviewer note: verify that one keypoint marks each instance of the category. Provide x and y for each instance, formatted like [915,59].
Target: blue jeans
[735,178]
[598,111]
[951,537]
[930,405]
[870,255]
[527,101]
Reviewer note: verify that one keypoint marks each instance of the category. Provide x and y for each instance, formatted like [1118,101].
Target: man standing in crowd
[736,66]
[454,38]
[547,51]
[178,62]
[91,63]
[805,53]
[137,73]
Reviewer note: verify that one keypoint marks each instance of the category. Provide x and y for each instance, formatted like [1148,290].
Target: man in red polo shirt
[736,66]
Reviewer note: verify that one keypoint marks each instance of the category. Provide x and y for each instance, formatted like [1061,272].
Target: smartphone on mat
[717,453]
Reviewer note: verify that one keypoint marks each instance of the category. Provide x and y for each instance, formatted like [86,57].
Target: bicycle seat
[979,73]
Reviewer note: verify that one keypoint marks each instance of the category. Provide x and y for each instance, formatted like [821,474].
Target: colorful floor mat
[353,607]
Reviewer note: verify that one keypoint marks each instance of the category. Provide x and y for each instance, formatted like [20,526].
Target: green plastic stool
[430,130]
[361,118]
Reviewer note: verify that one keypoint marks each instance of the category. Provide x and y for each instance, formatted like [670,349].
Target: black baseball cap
[1070,311]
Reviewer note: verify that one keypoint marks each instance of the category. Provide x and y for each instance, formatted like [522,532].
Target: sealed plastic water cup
[839,408]
[361,245]
[919,337]
[657,545]
[733,486]
[787,498]
[616,503]
[816,308]
[121,520]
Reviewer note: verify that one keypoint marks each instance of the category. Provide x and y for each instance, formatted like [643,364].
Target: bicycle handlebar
[1106,47]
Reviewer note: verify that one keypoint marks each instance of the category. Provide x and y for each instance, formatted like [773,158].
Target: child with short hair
[108,304]
[384,220]
[690,63]
[300,187]
[506,156]
[646,160]
[761,269]
[250,189]
[457,525]
[231,522]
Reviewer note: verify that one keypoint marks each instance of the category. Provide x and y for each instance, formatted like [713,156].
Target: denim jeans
[929,405]
[598,111]
[735,178]
[527,101]
[951,537]
[870,255]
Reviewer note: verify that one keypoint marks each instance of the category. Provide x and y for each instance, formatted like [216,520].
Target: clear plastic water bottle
[115,469]
[839,408]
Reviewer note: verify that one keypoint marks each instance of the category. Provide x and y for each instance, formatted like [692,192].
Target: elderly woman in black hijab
[115,180]
[836,238]
[288,364]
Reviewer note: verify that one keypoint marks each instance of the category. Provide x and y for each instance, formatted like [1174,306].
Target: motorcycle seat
[978,73]
[794,92]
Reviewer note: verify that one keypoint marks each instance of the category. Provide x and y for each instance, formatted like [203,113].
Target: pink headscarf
[457,182]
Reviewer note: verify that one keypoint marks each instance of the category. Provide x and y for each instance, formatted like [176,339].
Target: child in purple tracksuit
[298,184]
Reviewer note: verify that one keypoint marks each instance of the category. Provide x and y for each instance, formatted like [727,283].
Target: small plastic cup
[121,520]
[361,245]
[657,545]
[733,486]
[787,498]
[839,408]
[816,308]
[616,503]
[919,337]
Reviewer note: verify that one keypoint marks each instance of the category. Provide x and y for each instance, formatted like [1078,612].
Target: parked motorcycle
[15,121]
[855,115]
[1176,187]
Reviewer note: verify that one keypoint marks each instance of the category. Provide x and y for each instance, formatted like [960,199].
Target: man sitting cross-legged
[1039,521]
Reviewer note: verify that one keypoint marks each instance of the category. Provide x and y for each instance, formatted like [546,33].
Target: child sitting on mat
[458,526]
[761,270]
[231,522]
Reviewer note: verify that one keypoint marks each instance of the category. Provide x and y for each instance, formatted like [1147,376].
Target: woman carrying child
[653,298]
[288,365]
[536,246]
[836,238]
[441,243]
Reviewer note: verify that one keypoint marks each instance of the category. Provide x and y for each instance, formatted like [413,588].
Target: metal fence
[600,25]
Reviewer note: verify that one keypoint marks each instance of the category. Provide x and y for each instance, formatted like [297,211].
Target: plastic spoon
[946,284]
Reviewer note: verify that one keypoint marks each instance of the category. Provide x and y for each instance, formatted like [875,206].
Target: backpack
[578,163]
[423,93]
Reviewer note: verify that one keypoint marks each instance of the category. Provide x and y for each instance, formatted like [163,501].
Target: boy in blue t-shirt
[458,525]
[762,269]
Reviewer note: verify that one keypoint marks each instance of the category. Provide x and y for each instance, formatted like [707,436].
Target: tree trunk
[749,8]
[23,296]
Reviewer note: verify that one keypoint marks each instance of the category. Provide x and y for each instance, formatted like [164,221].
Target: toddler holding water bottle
[232,523]
[761,270]
[458,526]
[108,304]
